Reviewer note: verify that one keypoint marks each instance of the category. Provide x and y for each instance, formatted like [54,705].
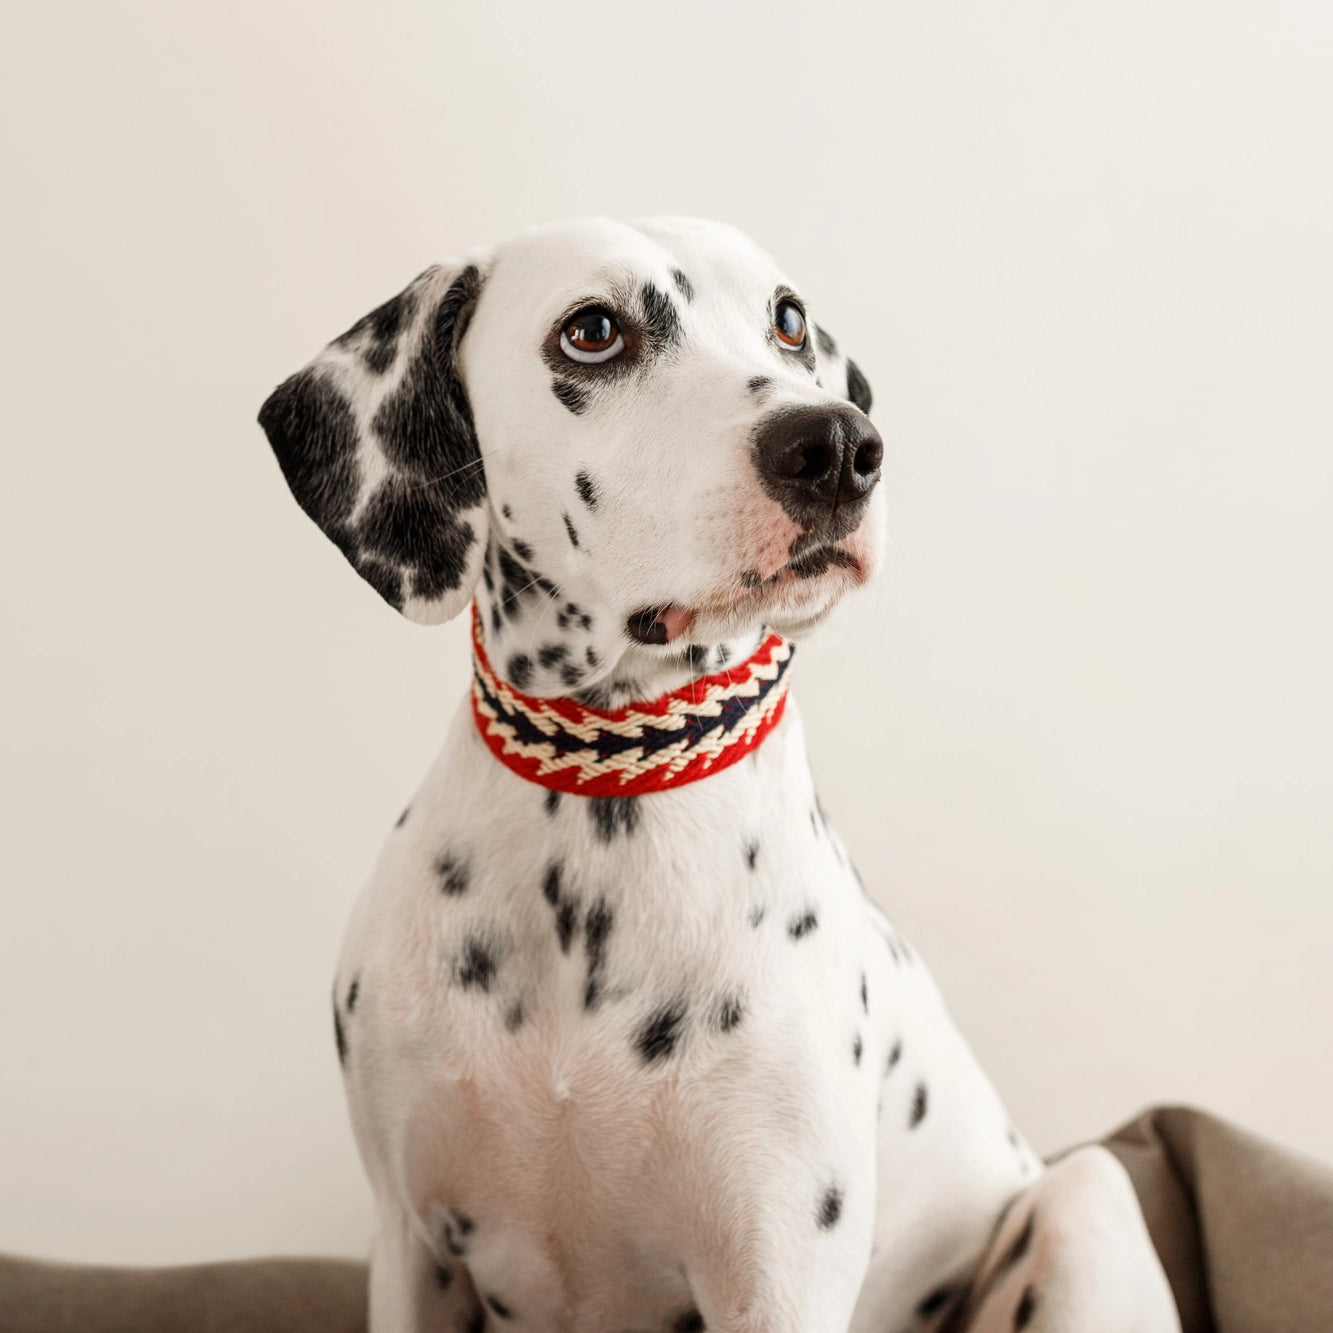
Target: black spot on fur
[683,284]
[751,854]
[425,425]
[658,1037]
[751,578]
[895,1054]
[567,922]
[498,1308]
[520,670]
[802,925]
[443,1277]
[313,433]
[339,1036]
[1022,1243]
[928,1307]
[552,802]
[458,1226]
[756,916]
[353,991]
[551,884]
[514,1016]
[612,815]
[865,996]
[825,340]
[570,395]
[570,530]
[516,583]
[506,511]
[522,549]
[661,323]
[856,1049]
[920,1101]
[830,1209]
[690,1322]
[551,654]
[476,964]
[587,490]
[402,819]
[571,676]
[590,656]
[757,384]
[858,387]
[414,526]
[697,656]
[453,875]
[381,329]
[729,1013]
[1027,1307]
[596,930]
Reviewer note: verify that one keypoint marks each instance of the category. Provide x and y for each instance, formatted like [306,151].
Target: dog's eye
[789,324]
[592,336]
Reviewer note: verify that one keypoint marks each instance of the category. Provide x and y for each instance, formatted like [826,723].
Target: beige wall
[1079,736]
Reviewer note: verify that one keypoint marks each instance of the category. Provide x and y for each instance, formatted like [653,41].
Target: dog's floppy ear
[376,440]
[838,373]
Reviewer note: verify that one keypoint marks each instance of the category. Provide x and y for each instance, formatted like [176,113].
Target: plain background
[1078,737]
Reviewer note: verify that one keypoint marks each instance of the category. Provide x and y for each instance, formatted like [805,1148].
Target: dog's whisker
[448,476]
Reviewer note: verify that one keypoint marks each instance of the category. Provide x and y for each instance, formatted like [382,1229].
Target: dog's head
[633,433]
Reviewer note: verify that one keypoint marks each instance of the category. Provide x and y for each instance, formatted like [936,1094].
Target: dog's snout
[820,464]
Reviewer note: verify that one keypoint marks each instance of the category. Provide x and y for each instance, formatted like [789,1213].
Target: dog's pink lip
[756,589]
[659,624]
[667,622]
[677,620]
[834,556]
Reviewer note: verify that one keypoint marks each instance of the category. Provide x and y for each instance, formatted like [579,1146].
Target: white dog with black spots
[652,1062]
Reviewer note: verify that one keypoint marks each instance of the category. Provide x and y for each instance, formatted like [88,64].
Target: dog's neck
[545,642]
[652,745]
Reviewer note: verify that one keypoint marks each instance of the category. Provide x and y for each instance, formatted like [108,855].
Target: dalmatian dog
[626,1044]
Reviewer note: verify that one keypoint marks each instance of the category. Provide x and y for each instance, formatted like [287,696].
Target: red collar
[686,735]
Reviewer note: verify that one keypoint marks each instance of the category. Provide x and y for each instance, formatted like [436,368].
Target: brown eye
[789,324]
[592,336]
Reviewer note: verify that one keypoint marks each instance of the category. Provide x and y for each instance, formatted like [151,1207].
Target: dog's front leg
[806,1284]
[413,1292]
[1073,1256]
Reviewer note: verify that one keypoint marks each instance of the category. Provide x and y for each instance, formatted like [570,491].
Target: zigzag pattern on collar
[686,735]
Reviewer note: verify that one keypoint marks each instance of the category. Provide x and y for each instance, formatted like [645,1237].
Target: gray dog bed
[1244,1228]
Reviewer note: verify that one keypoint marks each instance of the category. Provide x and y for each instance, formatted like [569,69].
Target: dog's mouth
[787,598]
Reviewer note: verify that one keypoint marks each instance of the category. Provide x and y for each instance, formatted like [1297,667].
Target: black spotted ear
[376,440]
[838,373]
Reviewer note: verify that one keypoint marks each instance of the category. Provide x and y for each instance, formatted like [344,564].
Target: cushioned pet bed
[1244,1228]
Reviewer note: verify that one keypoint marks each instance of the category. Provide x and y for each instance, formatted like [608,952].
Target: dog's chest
[576,1018]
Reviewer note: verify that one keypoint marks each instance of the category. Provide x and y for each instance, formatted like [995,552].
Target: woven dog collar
[686,735]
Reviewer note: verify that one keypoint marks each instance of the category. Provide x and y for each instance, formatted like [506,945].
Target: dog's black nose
[820,464]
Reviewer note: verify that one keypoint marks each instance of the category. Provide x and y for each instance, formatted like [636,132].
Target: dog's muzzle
[821,465]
